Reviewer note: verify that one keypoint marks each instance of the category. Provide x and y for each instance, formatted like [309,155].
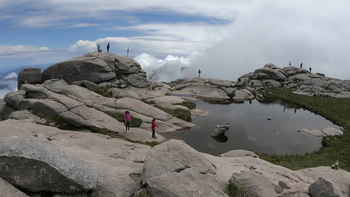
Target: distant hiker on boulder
[290,63]
[154,125]
[108,48]
[310,69]
[199,72]
[301,65]
[127,119]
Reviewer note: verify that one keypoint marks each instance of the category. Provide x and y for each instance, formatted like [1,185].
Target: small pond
[250,128]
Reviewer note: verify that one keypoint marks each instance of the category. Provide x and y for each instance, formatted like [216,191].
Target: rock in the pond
[35,165]
[269,118]
[332,131]
[322,188]
[314,132]
[219,130]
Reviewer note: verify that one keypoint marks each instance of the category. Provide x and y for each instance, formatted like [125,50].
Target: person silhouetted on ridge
[310,69]
[290,63]
[108,48]
[301,65]
[199,72]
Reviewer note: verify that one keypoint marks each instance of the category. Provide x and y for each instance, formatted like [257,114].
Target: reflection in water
[221,138]
[250,129]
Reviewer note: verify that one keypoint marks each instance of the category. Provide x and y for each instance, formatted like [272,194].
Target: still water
[250,128]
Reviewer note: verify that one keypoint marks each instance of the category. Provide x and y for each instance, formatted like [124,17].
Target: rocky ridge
[86,91]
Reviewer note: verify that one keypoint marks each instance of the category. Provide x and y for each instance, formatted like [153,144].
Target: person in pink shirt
[154,125]
[127,119]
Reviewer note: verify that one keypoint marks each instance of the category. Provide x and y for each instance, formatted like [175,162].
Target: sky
[223,38]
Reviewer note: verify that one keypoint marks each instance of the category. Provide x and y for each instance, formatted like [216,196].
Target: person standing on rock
[199,72]
[127,119]
[310,69]
[108,48]
[154,125]
[301,65]
[290,63]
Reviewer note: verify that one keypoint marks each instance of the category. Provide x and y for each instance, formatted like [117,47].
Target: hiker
[301,65]
[127,119]
[108,48]
[199,72]
[154,125]
[290,63]
[310,69]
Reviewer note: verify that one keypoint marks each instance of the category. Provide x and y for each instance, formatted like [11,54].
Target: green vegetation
[104,91]
[188,104]
[234,191]
[336,110]
[178,113]
[135,122]
[50,118]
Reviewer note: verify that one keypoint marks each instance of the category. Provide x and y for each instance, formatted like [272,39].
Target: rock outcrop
[98,68]
[169,169]
[219,130]
[29,75]
[34,165]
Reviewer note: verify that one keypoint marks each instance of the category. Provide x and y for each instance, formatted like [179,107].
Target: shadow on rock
[221,138]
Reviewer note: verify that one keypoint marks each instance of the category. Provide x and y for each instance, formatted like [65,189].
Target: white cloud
[20,50]
[11,75]
[169,69]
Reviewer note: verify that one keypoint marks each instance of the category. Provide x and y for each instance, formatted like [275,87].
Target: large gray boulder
[322,187]
[189,182]
[252,184]
[80,68]
[34,165]
[174,156]
[7,190]
[275,74]
[29,75]
[219,130]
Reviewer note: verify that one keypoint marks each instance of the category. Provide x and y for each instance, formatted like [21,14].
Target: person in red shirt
[127,119]
[154,125]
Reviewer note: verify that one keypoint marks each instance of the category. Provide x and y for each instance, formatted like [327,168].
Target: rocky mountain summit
[62,134]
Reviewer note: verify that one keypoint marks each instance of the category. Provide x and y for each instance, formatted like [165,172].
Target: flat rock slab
[239,153]
[332,131]
[35,165]
[314,132]
[189,182]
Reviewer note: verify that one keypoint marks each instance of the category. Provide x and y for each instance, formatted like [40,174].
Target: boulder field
[62,135]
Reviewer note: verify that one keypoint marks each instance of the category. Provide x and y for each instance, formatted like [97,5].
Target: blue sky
[224,38]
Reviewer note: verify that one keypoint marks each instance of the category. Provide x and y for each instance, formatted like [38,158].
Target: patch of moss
[135,122]
[188,104]
[178,113]
[337,110]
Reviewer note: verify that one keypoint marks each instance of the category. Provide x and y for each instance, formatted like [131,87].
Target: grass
[135,122]
[337,110]
[178,113]
[188,104]
[56,120]
[104,91]
[233,191]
